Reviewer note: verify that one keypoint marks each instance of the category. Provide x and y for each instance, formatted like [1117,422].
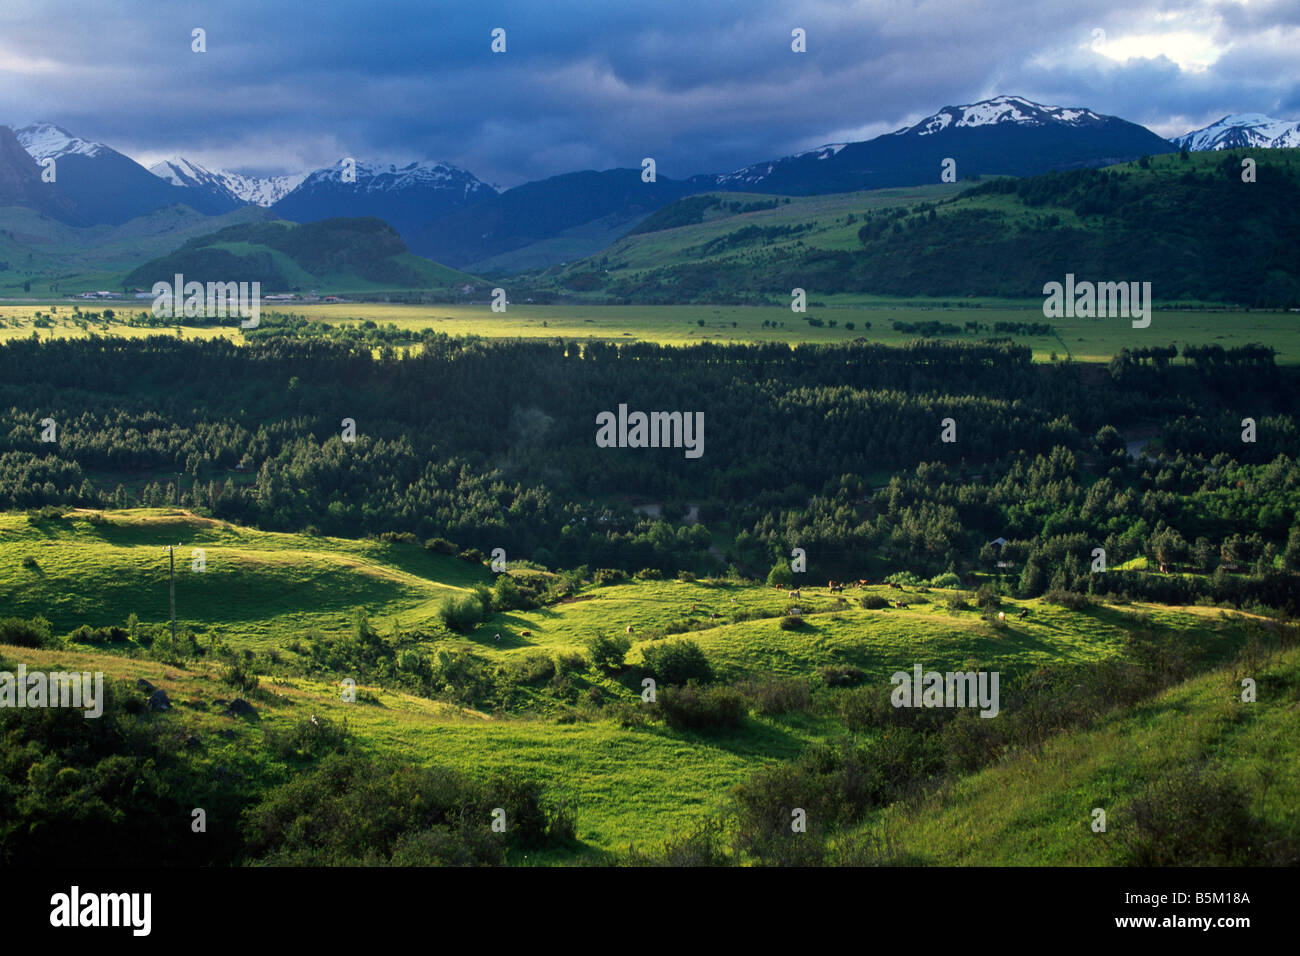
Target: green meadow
[637,784]
[1081,340]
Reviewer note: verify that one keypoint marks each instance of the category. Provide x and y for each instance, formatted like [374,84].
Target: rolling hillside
[522,690]
[1168,220]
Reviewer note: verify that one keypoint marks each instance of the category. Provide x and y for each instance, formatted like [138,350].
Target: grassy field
[1083,340]
[262,594]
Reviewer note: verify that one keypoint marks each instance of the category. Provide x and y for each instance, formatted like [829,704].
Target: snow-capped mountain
[21,184]
[235,187]
[1000,109]
[45,140]
[1005,134]
[407,197]
[106,186]
[1253,130]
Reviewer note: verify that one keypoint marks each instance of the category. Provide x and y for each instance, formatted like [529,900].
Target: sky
[700,85]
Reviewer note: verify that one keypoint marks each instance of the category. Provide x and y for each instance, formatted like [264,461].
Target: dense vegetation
[255,434]
[1187,224]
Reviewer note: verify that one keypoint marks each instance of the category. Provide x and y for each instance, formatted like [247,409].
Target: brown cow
[833,586]
[901,605]
[779,587]
[894,584]
[862,583]
[794,593]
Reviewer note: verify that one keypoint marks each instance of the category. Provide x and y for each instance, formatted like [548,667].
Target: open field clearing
[1083,340]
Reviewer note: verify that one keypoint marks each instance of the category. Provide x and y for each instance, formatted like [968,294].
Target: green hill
[353,255]
[520,691]
[1187,224]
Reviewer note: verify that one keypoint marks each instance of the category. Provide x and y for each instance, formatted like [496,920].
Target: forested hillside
[837,450]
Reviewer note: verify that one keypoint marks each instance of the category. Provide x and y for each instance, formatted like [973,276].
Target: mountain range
[446,213]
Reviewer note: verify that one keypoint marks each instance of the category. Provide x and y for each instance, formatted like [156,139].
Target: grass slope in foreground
[279,605]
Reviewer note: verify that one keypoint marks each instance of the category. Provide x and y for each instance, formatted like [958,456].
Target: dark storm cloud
[700,86]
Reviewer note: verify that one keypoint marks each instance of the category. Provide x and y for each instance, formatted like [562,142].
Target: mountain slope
[405,197]
[1006,135]
[226,186]
[542,210]
[21,184]
[1175,222]
[1243,130]
[106,186]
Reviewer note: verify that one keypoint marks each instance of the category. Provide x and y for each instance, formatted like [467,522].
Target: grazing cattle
[498,637]
[629,629]
[1024,612]
[895,585]
[779,587]
[794,593]
[1002,615]
[525,633]
[833,586]
[714,617]
[692,608]
[901,605]
[862,583]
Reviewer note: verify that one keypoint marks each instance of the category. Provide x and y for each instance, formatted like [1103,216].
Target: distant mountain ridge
[445,212]
[1242,130]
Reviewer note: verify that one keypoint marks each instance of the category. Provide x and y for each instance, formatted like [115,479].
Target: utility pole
[171,555]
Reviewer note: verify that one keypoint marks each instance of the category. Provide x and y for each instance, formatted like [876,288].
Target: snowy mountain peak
[257,190]
[998,110]
[389,177]
[45,140]
[1242,130]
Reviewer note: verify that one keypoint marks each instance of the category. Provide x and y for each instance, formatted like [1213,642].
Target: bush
[472,555]
[649,574]
[987,596]
[1198,818]
[906,578]
[701,708]
[840,675]
[240,676]
[791,623]
[945,580]
[780,574]
[686,577]
[98,635]
[1069,600]
[677,662]
[957,603]
[873,602]
[33,633]
[439,546]
[533,668]
[608,576]
[398,537]
[780,696]
[461,614]
[609,652]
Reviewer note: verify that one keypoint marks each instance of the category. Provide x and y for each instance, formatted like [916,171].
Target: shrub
[649,574]
[98,635]
[1198,818]
[439,546]
[957,603]
[398,537]
[791,623]
[780,574]
[33,633]
[461,614]
[701,708]
[677,662]
[472,555]
[240,676]
[840,675]
[987,596]
[873,602]
[533,668]
[609,652]
[570,662]
[686,577]
[780,696]
[945,580]
[1071,600]
[608,576]
[906,578]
